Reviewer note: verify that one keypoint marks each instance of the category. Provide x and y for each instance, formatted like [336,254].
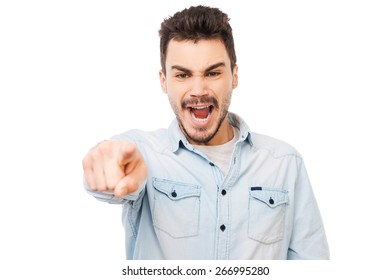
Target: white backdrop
[72,73]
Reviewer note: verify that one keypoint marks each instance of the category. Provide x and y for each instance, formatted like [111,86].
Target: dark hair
[196,23]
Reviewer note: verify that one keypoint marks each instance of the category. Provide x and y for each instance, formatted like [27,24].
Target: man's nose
[198,86]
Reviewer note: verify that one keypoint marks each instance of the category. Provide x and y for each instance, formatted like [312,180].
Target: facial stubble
[223,108]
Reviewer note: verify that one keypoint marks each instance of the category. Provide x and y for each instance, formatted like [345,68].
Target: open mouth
[201,113]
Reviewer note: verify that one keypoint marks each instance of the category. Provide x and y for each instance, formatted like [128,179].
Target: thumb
[126,185]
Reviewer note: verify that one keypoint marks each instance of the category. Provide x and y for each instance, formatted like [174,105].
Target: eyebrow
[208,69]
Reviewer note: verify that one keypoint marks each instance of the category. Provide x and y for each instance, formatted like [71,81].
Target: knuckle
[111,186]
[101,188]
[92,187]
[94,154]
[86,162]
[104,147]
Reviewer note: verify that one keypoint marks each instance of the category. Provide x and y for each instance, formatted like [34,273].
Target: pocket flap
[272,197]
[176,190]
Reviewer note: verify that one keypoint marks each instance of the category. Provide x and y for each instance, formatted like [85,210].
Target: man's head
[194,24]
[199,72]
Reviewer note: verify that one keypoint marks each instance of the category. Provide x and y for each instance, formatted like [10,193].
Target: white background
[72,73]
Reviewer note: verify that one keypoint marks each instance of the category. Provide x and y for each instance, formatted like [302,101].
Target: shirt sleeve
[308,240]
[109,197]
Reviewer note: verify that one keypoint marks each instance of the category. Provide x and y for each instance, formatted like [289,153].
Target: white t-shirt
[220,155]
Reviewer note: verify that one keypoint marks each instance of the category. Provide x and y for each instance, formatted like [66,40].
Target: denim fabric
[264,208]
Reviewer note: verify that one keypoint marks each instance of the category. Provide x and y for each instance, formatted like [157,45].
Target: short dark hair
[196,23]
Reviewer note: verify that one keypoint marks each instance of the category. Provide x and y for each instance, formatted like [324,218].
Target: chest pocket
[176,207]
[267,207]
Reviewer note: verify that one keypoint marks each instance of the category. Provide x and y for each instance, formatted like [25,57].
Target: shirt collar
[177,137]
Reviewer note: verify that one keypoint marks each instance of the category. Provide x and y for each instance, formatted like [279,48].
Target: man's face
[199,83]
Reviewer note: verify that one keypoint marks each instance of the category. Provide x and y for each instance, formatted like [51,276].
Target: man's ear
[235,76]
[163,81]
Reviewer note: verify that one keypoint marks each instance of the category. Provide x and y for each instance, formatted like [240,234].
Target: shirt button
[174,194]
[223,192]
[222,228]
[271,201]
[212,164]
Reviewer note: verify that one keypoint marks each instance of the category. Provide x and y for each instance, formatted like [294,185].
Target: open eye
[182,76]
[213,74]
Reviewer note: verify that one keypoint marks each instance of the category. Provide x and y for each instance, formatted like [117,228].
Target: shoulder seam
[293,154]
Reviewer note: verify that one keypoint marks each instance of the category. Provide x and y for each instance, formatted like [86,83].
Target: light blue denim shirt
[264,208]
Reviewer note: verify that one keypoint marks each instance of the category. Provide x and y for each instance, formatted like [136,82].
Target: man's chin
[199,136]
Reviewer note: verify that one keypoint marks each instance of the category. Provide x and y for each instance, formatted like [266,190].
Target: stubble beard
[200,136]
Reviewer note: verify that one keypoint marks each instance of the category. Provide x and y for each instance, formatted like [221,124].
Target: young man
[206,187]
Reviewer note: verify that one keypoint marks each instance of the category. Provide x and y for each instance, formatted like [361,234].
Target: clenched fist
[114,166]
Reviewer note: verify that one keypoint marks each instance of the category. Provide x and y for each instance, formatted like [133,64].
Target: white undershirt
[220,155]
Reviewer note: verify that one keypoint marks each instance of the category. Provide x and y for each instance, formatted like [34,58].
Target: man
[206,187]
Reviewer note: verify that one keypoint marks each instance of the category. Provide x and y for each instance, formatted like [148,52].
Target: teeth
[199,108]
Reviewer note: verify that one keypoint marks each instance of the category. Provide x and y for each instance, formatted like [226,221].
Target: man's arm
[308,240]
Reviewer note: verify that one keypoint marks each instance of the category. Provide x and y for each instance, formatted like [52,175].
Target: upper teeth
[199,108]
